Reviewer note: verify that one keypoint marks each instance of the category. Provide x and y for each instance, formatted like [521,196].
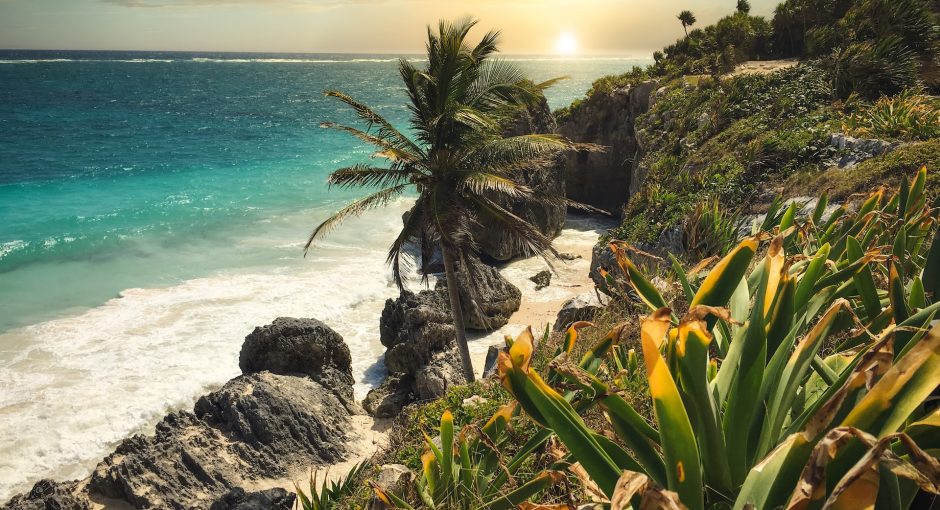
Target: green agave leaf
[683,464]
[722,281]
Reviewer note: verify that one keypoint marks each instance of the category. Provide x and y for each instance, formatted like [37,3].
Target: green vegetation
[800,379]
[910,115]
[460,163]
[327,496]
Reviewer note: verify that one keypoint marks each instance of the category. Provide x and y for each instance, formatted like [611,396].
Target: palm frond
[377,199]
[361,175]
[385,129]
[482,182]
[390,149]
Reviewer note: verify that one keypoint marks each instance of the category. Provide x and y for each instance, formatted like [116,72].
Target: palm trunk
[686,30]
[457,312]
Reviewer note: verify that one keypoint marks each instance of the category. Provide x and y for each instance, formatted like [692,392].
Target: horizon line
[383,53]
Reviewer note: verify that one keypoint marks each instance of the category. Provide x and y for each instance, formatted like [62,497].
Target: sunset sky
[586,27]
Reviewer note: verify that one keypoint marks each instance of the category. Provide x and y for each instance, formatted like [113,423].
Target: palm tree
[744,6]
[459,163]
[687,19]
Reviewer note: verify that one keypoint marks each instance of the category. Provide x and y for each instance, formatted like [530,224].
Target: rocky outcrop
[855,150]
[50,495]
[305,347]
[413,328]
[418,333]
[487,299]
[290,409]
[604,179]
[548,218]
[582,307]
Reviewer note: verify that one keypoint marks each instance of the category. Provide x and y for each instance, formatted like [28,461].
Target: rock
[271,499]
[604,179]
[704,121]
[50,495]
[549,218]
[255,427]
[291,346]
[671,240]
[492,354]
[413,328]
[395,478]
[473,401]
[443,371]
[602,257]
[389,398]
[856,150]
[568,256]
[488,299]
[542,279]
[418,333]
[582,307]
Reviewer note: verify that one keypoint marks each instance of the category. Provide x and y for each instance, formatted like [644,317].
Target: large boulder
[305,347]
[550,179]
[291,408]
[418,333]
[604,179]
[487,299]
[443,371]
[413,327]
[256,427]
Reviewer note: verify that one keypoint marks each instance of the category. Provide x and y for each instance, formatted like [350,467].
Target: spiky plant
[793,382]
[459,162]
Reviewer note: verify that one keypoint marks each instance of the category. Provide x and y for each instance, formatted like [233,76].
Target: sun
[566,44]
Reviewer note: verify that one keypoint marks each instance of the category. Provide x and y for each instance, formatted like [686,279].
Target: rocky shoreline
[293,410]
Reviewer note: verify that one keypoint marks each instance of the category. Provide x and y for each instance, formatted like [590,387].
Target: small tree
[687,19]
[744,6]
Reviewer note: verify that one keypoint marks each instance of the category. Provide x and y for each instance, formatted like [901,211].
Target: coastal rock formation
[413,328]
[418,333]
[604,179]
[548,218]
[305,347]
[258,427]
[582,307]
[488,299]
[50,495]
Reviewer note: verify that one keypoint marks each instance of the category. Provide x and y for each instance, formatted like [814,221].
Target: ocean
[153,210]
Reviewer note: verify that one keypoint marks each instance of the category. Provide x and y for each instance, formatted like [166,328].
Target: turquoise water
[153,207]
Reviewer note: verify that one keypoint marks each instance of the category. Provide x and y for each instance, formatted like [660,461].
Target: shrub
[910,115]
[711,230]
[872,69]
[327,496]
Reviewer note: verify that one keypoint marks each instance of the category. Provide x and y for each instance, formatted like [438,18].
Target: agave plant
[798,381]
[327,495]
[467,470]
